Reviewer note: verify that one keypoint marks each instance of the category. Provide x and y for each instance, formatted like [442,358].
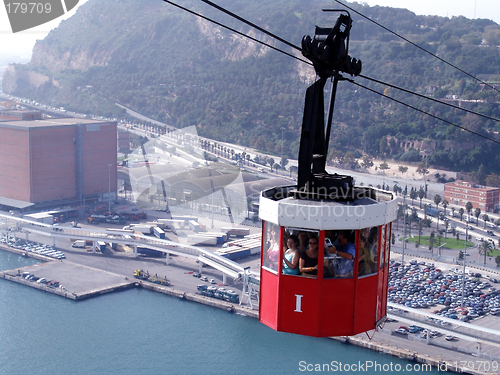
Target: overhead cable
[237,32]
[416,45]
[422,111]
[251,24]
[429,98]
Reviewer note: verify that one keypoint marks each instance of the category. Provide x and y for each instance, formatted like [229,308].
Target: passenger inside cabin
[272,252]
[365,257]
[308,263]
[291,256]
[303,241]
[346,251]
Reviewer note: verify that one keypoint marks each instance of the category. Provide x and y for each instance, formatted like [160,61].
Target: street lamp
[465,257]
[109,188]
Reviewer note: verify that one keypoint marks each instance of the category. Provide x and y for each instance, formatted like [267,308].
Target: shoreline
[119,283]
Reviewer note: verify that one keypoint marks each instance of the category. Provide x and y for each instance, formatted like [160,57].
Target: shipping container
[79,243]
[201,240]
[237,232]
[194,226]
[158,232]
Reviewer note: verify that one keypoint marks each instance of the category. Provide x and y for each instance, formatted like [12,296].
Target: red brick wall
[53,163]
[99,150]
[15,164]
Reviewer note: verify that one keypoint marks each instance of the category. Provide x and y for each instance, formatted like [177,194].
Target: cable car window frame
[268,265]
[371,245]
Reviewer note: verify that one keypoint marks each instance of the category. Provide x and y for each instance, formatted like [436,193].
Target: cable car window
[271,246]
[339,254]
[301,248]
[292,253]
[368,251]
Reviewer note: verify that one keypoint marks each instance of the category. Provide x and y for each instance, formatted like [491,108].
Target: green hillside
[170,65]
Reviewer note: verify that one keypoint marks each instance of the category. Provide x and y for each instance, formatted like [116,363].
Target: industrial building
[56,161]
[459,192]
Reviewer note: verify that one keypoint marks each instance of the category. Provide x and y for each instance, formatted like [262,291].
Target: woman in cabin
[303,241]
[308,263]
[291,257]
[273,249]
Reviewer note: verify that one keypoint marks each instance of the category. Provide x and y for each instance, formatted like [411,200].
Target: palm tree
[445,204]
[425,210]
[437,200]
[485,218]
[484,249]
[477,212]
[439,236]
[248,159]
[453,211]
[413,195]
[461,212]
[421,195]
[420,225]
[468,208]
[401,212]
[431,242]
[270,161]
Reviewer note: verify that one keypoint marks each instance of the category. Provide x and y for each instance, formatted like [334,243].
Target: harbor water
[143,332]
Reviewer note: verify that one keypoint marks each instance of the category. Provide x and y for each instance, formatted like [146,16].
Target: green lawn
[451,242]
[494,253]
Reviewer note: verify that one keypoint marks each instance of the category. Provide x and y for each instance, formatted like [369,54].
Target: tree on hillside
[384,166]
[422,169]
[366,162]
[493,180]
[402,169]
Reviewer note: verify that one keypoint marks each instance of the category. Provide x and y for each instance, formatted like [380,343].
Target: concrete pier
[77,282]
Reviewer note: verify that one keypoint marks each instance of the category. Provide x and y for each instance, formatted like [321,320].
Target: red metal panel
[366,304]
[299,305]
[386,272]
[268,300]
[381,272]
[336,307]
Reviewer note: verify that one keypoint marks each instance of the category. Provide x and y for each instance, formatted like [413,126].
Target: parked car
[401,331]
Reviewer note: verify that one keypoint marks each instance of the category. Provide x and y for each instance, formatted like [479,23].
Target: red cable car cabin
[345,297]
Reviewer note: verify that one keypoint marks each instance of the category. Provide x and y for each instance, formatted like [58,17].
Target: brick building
[56,160]
[123,140]
[458,193]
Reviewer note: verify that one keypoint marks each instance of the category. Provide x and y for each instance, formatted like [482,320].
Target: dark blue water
[142,332]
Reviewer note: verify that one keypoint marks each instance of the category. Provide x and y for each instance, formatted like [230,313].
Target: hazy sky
[22,43]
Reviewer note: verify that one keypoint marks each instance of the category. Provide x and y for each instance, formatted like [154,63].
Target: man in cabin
[346,251]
